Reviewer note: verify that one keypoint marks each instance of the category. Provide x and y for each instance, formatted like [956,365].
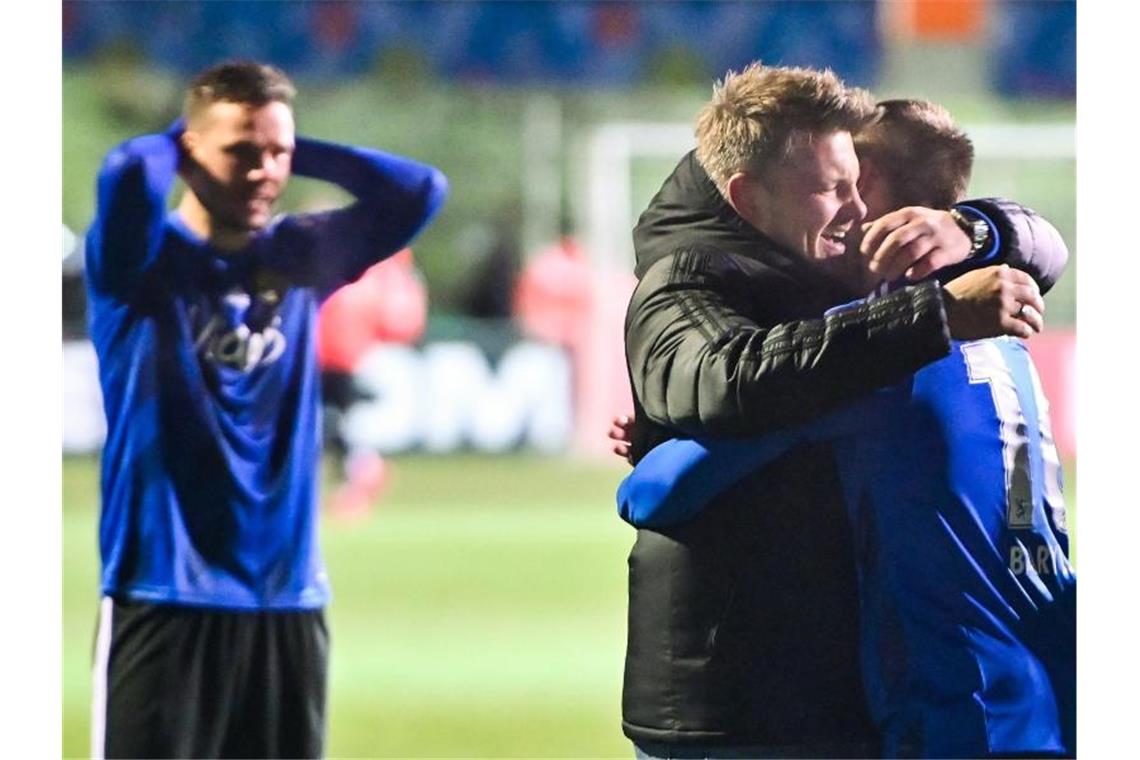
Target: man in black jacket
[743,623]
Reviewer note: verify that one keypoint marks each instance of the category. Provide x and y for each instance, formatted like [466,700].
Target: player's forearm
[678,478]
[407,193]
[675,481]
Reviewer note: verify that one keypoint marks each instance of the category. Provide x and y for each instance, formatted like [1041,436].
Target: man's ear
[743,194]
[189,140]
[740,192]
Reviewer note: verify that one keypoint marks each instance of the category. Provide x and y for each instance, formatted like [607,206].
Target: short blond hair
[754,114]
[917,147]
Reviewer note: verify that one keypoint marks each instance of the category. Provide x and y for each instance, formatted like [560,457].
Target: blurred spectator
[490,255]
[561,299]
[552,300]
[388,304]
[617,49]
[338,42]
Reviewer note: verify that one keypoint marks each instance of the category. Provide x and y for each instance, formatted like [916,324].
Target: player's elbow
[640,502]
[420,202]
[122,171]
[1058,258]
[434,193]
[429,200]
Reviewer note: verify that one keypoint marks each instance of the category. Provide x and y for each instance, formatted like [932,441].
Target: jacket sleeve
[1021,238]
[699,366]
[395,199]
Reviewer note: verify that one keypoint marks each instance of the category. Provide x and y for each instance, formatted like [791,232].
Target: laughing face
[807,201]
[240,159]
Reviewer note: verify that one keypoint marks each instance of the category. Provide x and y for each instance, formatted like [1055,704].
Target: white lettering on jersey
[1016,560]
[1047,560]
[228,341]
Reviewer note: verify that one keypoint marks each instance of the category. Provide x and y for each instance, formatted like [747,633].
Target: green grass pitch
[480,611]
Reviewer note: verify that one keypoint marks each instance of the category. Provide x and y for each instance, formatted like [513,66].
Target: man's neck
[196,217]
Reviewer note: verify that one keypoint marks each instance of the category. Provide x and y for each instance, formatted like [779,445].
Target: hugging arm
[917,242]
[701,367]
[681,476]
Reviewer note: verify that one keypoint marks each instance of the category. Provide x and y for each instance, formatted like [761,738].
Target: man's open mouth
[839,237]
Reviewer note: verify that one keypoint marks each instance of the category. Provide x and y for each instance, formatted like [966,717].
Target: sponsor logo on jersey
[243,332]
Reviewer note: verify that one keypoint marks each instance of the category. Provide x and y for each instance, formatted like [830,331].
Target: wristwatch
[977,230]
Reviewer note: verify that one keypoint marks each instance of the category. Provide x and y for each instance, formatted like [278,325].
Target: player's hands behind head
[993,301]
[913,241]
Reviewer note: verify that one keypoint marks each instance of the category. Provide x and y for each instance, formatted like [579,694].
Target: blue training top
[207,360]
[953,487]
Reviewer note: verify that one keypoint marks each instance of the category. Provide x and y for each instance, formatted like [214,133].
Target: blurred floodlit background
[479,608]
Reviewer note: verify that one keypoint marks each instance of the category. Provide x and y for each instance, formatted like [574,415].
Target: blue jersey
[207,362]
[953,487]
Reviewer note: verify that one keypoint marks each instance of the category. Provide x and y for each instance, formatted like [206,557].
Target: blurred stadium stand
[506,98]
[1032,45]
[573,43]
[1034,49]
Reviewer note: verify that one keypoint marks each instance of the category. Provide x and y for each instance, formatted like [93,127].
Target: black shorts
[175,681]
[339,391]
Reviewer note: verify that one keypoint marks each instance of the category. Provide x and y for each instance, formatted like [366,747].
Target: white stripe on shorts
[99,680]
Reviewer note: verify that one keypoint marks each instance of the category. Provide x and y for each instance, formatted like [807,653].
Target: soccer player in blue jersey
[212,638]
[952,484]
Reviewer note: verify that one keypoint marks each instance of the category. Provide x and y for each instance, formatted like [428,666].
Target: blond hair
[920,151]
[753,116]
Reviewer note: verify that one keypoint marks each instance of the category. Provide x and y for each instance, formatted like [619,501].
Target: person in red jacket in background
[388,304]
[554,292]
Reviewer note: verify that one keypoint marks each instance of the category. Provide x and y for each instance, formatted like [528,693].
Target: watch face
[981,234]
[976,229]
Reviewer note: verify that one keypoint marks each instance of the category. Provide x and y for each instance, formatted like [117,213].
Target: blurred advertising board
[442,397]
[453,395]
